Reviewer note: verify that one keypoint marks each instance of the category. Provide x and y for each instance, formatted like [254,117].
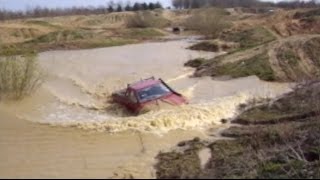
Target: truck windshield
[153,92]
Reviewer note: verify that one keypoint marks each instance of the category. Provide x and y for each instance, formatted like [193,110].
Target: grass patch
[42,23]
[206,46]
[195,63]
[257,114]
[257,65]
[288,56]
[21,48]
[142,33]
[62,36]
[105,43]
[249,38]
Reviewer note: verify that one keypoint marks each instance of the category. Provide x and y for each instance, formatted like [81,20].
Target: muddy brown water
[67,129]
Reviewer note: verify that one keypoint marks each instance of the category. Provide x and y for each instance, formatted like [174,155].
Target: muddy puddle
[68,129]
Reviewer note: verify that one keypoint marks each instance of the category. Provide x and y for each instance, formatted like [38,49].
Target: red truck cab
[139,95]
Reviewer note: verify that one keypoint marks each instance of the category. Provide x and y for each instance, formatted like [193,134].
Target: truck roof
[143,84]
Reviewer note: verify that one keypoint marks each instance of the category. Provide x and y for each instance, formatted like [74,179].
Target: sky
[25,4]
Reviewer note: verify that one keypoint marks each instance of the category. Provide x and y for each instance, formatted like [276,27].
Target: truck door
[132,100]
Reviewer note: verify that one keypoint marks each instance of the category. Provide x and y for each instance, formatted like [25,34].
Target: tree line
[187,4]
[51,12]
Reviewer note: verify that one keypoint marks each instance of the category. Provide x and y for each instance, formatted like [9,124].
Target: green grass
[142,33]
[10,50]
[257,65]
[289,56]
[42,23]
[249,38]
[205,46]
[62,36]
[105,43]
[256,115]
[195,63]
[81,39]
[33,46]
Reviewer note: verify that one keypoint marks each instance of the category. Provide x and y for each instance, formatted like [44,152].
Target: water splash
[188,117]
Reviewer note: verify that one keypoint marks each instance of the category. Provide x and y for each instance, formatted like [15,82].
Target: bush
[209,22]
[206,46]
[195,63]
[146,19]
[19,75]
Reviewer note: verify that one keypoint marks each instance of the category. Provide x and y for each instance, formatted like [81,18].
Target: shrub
[195,63]
[206,46]
[146,19]
[19,75]
[209,22]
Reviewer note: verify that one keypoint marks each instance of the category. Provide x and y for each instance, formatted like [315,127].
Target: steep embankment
[290,59]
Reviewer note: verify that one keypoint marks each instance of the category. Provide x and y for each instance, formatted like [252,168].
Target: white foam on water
[187,117]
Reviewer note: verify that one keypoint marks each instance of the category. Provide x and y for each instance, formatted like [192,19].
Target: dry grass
[209,22]
[19,75]
[146,19]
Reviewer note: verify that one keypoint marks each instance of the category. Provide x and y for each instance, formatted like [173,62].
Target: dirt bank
[295,58]
[281,46]
[267,148]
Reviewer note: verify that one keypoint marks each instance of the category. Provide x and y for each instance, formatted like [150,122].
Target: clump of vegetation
[142,33]
[288,56]
[195,63]
[206,46]
[59,36]
[257,65]
[100,43]
[209,22]
[249,38]
[19,74]
[146,19]
[42,23]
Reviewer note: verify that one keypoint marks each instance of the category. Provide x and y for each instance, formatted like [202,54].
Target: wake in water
[91,110]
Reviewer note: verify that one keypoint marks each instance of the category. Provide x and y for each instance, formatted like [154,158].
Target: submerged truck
[139,95]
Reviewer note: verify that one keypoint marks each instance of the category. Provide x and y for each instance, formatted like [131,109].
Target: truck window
[153,92]
[132,97]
